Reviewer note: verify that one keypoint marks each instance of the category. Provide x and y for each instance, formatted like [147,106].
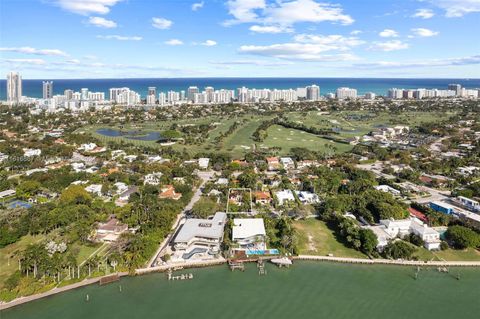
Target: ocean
[33,88]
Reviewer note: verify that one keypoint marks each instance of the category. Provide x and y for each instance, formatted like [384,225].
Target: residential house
[94,189]
[200,235]
[152,179]
[203,162]
[263,198]
[307,197]
[249,233]
[273,163]
[168,192]
[284,196]
[110,230]
[287,163]
[30,152]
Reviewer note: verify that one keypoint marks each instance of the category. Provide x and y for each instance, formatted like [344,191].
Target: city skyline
[130,39]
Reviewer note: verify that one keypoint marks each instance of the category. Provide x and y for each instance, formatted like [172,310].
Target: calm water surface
[308,290]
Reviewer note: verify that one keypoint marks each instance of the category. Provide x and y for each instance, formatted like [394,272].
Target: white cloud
[356,32]
[209,43]
[457,8]
[86,7]
[120,37]
[244,10]
[30,50]
[198,5]
[387,46]
[423,13]
[161,23]
[470,60]
[285,13]
[102,22]
[174,42]
[422,32]
[388,33]
[308,47]
[330,42]
[270,29]
[25,61]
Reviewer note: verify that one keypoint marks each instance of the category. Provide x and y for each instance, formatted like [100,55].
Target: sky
[54,39]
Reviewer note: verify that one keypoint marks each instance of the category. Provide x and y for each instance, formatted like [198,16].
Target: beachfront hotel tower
[14,88]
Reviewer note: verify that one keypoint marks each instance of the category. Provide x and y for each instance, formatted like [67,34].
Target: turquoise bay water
[307,290]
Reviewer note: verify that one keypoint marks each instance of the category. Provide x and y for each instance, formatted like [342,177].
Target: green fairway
[286,138]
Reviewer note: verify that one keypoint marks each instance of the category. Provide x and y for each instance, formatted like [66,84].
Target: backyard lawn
[315,238]
[468,254]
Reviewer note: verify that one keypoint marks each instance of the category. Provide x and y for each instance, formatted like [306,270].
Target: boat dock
[170,276]
[236,265]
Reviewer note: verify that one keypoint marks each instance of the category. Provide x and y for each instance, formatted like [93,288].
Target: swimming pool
[262,252]
[18,204]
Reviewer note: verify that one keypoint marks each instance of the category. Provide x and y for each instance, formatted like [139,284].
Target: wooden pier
[170,276]
[236,265]
[261,267]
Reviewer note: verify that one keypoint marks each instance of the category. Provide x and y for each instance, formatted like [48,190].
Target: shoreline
[216,262]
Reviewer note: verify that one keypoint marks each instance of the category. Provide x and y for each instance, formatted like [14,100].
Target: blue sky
[212,38]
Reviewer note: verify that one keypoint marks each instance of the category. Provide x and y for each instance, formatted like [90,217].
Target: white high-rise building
[395,93]
[313,93]
[47,89]
[191,91]
[14,88]
[68,94]
[209,91]
[455,87]
[346,93]
[84,94]
[162,98]
[370,96]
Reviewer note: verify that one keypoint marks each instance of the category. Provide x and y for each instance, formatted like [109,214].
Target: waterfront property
[199,236]
[249,234]
[389,229]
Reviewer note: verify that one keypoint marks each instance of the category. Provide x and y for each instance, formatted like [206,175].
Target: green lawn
[85,251]
[315,238]
[8,260]
[469,254]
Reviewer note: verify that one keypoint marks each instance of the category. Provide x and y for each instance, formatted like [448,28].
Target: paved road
[205,176]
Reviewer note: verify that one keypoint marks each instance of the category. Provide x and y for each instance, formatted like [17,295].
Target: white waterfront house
[249,233]
[389,229]
[204,234]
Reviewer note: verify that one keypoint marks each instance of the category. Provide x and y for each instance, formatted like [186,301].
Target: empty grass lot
[315,238]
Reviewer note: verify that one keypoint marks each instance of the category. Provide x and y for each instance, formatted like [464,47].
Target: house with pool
[250,237]
[199,237]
